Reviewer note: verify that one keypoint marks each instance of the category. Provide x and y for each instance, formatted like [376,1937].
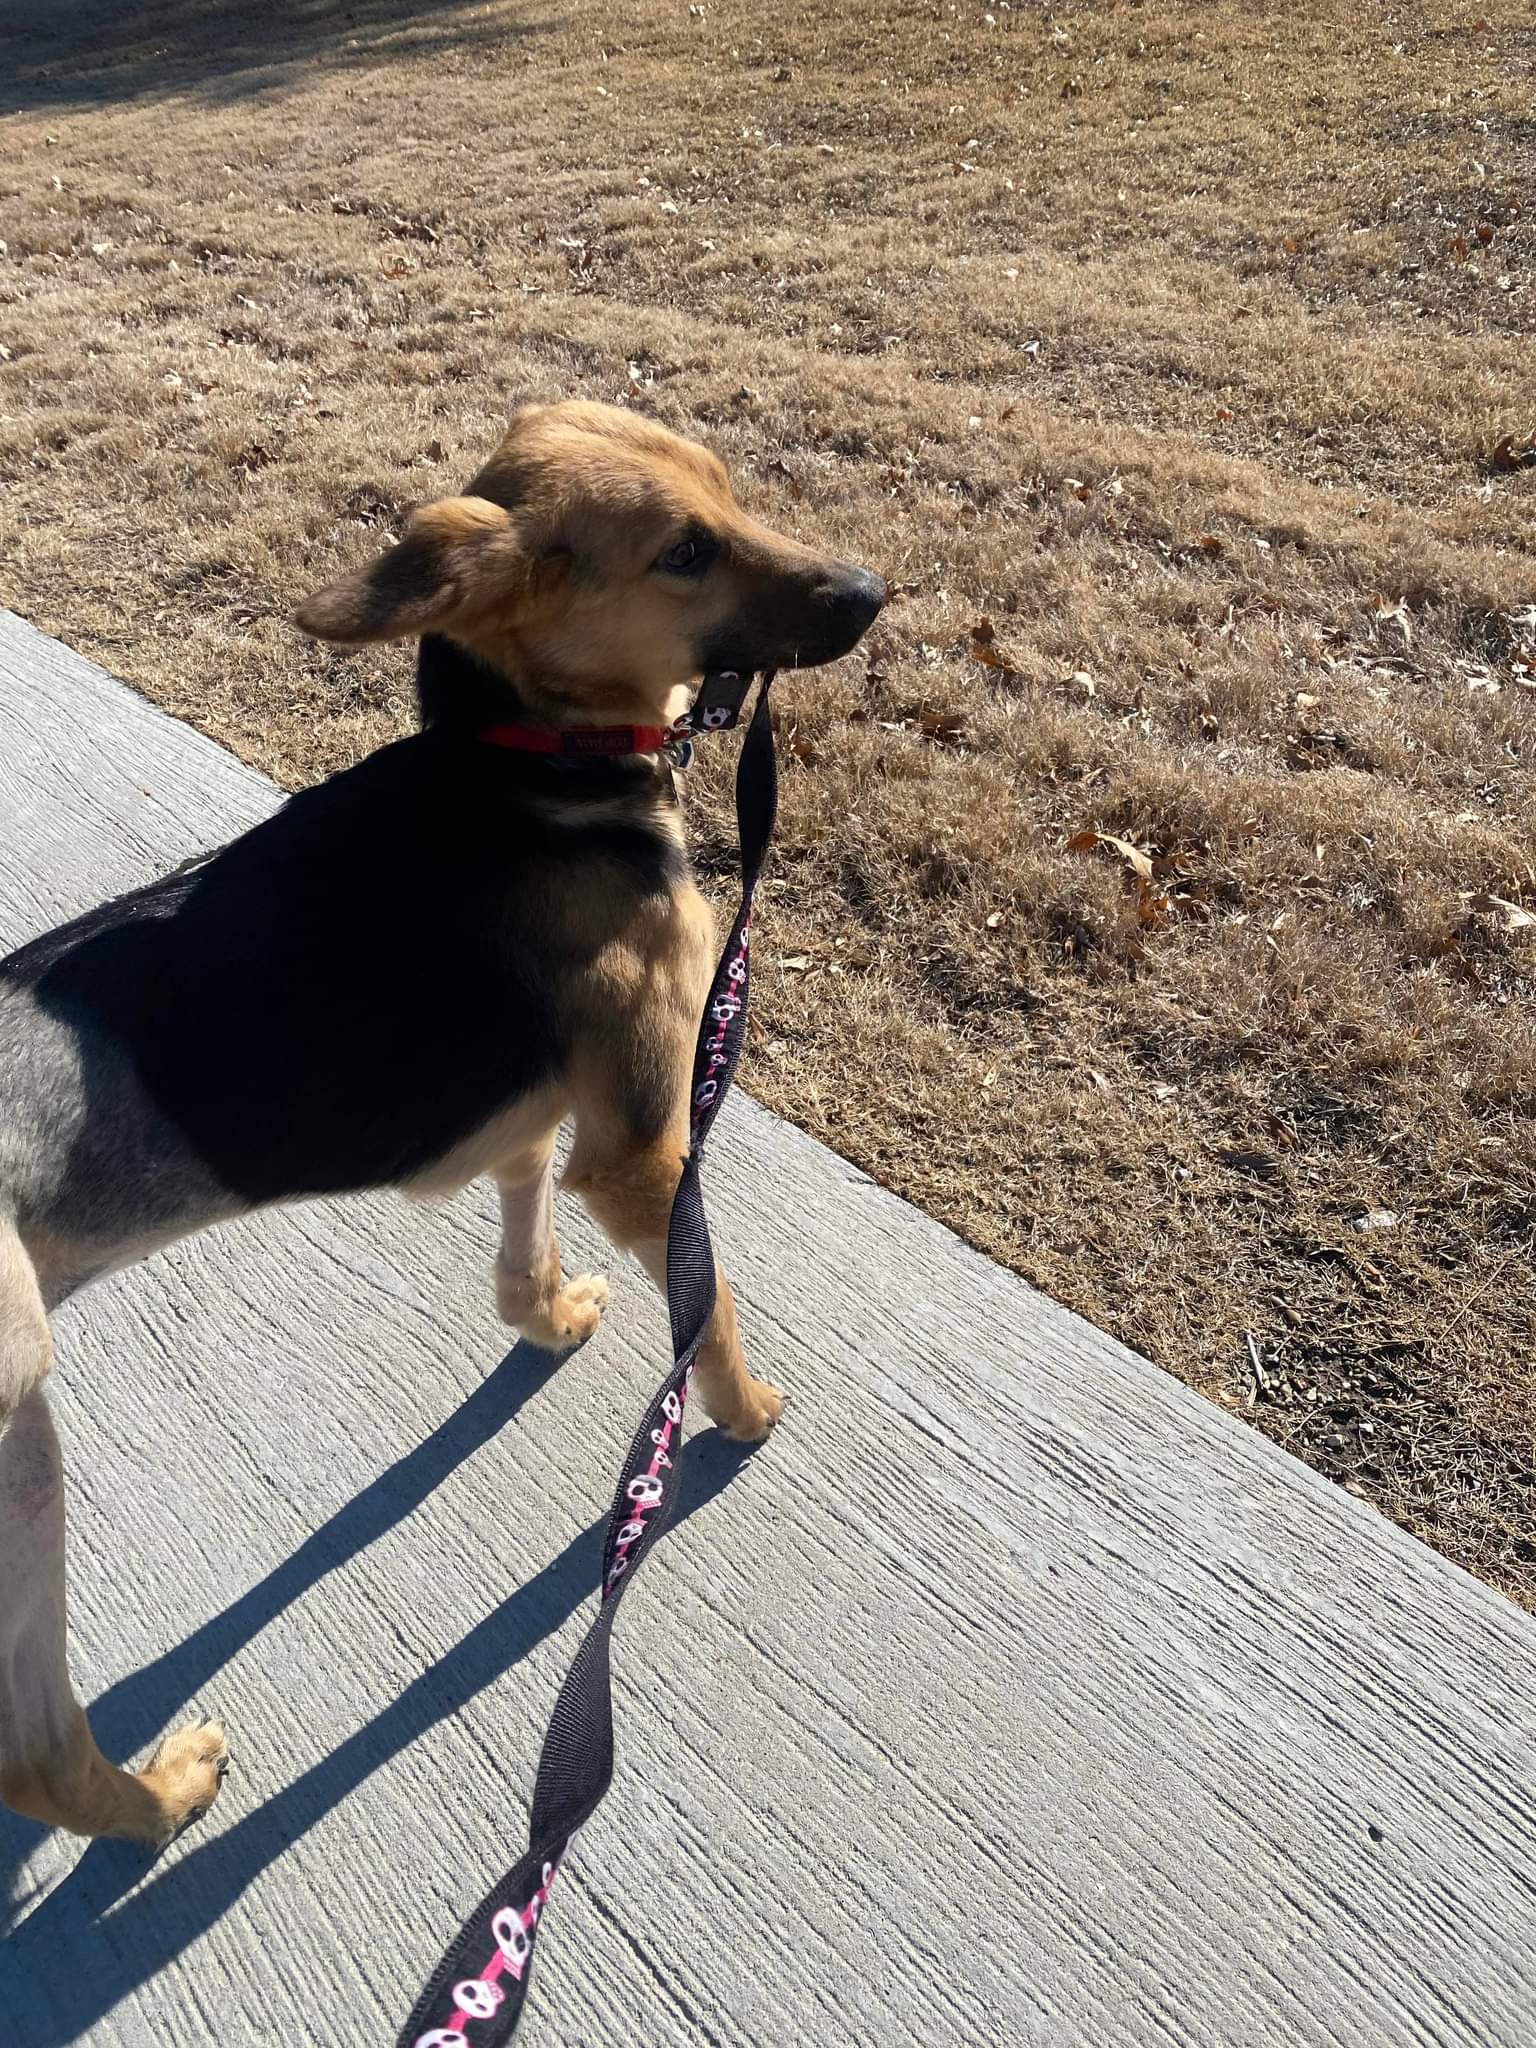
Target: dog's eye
[686,558]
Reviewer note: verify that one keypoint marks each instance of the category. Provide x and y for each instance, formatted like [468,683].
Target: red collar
[588,740]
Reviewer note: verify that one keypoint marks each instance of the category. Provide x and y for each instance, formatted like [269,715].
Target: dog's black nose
[855,598]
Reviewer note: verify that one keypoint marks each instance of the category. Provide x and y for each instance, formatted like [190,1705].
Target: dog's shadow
[72,1958]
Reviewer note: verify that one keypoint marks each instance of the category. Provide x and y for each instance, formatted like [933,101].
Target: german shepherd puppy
[409,976]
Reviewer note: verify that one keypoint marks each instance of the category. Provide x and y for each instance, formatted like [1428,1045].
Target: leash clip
[717,707]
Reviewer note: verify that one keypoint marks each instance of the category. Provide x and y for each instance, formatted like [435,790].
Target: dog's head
[602,564]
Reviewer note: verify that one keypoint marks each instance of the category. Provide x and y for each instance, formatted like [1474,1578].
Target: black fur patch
[351,989]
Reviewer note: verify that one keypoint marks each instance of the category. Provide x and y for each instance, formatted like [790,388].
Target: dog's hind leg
[531,1293]
[50,1767]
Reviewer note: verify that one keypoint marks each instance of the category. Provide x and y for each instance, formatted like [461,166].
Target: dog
[411,975]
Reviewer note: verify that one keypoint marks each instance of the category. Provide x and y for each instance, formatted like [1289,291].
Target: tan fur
[521,1130]
[26,1348]
[544,568]
[50,1768]
[531,1292]
[634,1012]
[552,570]
[649,993]
[632,1200]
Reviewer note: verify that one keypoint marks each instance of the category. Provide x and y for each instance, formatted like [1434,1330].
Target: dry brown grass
[1175,342]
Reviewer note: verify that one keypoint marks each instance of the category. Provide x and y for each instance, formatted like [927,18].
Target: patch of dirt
[1373,1415]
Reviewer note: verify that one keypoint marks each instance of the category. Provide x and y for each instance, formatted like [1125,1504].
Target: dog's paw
[751,1418]
[578,1309]
[566,1321]
[185,1774]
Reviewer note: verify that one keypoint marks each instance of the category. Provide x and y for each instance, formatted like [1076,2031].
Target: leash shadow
[102,1932]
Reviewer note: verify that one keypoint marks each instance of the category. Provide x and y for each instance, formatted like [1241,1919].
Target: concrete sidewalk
[1010,1695]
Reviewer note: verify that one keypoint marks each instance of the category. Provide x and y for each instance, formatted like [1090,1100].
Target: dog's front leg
[630,1193]
[531,1294]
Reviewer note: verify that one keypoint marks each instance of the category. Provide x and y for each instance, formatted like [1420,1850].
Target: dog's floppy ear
[450,550]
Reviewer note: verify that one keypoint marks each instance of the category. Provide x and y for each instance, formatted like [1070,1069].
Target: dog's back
[330,1002]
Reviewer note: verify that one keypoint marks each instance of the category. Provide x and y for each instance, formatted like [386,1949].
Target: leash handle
[475,1996]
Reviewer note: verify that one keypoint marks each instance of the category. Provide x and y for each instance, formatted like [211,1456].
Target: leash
[475,1996]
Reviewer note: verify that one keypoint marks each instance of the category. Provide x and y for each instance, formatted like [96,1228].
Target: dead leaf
[994,920]
[1395,615]
[1484,233]
[1514,452]
[1376,1219]
[778,468]
[802,748]
[797,963]
[1151,908]
[1208,544]
[946,727]
[1138,861]
[1456,248]
[984,648]
[1290,245]
[412,230]
[1510,915]
[1326,750]
[1261,1165]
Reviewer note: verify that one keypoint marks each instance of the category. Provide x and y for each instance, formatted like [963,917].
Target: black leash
[475,1996]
